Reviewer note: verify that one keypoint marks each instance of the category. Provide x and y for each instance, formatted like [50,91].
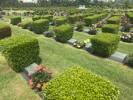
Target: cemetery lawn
[57,57]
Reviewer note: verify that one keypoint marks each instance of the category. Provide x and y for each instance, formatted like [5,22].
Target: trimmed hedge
[49,17]
[26,24]
[20,51]
[114,20]
[105,44]
[63,32]
[110,28]
[76,83]
[40,26]
[5,30]
[94,19]
[130,15]
[75,18]
[15,20]
[72,19]
[60,20]
[36,18]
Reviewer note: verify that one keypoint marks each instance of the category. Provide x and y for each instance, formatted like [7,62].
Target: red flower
[30,83]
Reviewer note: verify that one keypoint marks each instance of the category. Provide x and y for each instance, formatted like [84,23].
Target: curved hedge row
[5,30]
[20,51]
[77,83]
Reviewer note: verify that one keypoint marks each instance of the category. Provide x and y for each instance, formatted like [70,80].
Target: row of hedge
[5,30]
[76,83]
[48,17]
[110,28]
[94,19]
[130,15]
[20,51]
[114,20]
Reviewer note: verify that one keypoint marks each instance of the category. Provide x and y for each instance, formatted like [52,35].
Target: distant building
[28,1]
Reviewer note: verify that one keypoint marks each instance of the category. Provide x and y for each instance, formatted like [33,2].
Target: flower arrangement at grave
[38,80]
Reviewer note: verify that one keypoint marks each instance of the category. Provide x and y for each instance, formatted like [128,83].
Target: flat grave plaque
[117,56]
[31,69]
[71,41]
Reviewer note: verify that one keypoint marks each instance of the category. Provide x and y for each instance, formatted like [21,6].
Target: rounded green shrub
[130,16]
[26,24]
[110,28]
[5,30]
[60,20]
[72,19]
[76,83]
[94,19]
[20,51]
[105,44]
[15,20]
[63,32]
[40,26]
[49,17]
[114,20]
[129,61]
[36,18]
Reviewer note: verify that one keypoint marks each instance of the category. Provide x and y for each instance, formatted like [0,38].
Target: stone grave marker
[119,57]
[31,69]
[71,41]
[88,47]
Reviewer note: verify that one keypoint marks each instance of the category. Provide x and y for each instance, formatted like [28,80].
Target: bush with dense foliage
[5,30]
[15,20]
[93,19]
[110,28]
[130,60]
[130,15]
[26,24]
[75,18]
[114,20]
[76,83]
[20,51]
[40,26]
[63,32]
[79,26]
[105,44]
[36,18]
[60,20]
[49,17]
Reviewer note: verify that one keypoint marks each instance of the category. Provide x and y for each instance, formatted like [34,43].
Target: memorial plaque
[31,69]
[71,41]
[119,57]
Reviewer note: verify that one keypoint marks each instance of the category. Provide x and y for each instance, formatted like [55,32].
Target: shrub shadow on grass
[39,60]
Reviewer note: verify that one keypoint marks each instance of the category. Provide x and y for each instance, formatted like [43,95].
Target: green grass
[57,57]
[12,85]
[81,36]
[125,47]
